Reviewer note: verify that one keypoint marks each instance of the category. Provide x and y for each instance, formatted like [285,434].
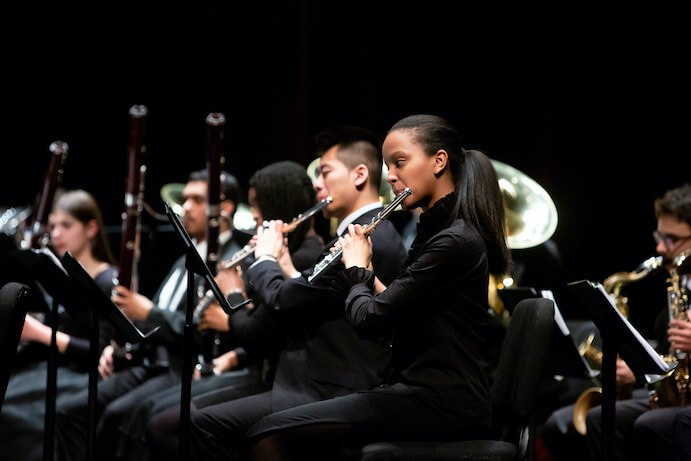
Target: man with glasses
[641,432]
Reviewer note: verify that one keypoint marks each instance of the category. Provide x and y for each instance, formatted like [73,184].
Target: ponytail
[478,197]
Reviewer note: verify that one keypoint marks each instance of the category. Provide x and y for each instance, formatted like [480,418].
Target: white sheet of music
[648,348]
[559,320]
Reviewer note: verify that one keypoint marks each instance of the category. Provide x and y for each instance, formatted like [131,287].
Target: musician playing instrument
[75,225]
[642,433]
[158,364]
[281,190]
[321,355]
[437,308]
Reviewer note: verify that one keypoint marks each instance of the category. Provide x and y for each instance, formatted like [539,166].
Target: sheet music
[547,294]
[648,348]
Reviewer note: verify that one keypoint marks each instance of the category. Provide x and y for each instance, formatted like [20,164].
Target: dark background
[588,100]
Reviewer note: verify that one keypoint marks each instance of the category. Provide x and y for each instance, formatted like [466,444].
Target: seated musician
[639,432]
[76,226]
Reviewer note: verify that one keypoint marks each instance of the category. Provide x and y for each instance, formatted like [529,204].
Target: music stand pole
[93,381]
[187,363]
[609,397]
[51,385]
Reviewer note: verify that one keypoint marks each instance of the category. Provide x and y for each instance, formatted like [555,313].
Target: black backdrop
[580,97]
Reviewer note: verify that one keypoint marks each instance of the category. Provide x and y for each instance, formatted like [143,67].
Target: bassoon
[134,200]
[37,235]
[214,164]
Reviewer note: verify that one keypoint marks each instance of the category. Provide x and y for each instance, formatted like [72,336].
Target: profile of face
[67,233]
[673,237]
[409,166]
[194,196]
[334,178]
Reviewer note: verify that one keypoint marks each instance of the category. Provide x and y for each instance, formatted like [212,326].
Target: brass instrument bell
[531,216]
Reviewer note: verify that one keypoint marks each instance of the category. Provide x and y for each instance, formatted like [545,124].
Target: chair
[522,362]
[13,306]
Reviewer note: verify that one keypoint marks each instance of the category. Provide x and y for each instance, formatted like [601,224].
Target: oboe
[248,249]
[332,258]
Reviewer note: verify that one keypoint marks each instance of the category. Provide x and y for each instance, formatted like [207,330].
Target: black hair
[284,190]
[230,188]
[478,197]
[676,202]
[356,145]
[83,207]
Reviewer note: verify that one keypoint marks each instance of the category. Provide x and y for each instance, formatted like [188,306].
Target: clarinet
[248,249]
[36,236]
[332,259]
[214,160]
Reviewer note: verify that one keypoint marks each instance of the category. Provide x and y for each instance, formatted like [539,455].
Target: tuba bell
[530,220]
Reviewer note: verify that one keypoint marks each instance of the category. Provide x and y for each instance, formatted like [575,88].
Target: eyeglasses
[669,239]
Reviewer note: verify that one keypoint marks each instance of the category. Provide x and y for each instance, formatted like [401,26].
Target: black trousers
[682,434]
[162,431]
[337,428]
[640,433]
[117,396]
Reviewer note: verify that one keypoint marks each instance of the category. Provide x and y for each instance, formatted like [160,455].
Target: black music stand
[71,286]
[618,337]
[194,264]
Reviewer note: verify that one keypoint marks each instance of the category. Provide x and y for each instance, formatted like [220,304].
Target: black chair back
[13,307]
[522,363]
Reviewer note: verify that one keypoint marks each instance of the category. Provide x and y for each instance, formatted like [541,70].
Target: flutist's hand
[357,248]
[679,334]
[270,240]
[214,318]
[133,305]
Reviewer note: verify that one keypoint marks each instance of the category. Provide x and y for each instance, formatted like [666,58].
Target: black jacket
[322,355]
[438,313]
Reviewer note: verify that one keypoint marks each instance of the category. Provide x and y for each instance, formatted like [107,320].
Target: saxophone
[672,388]
[613,285]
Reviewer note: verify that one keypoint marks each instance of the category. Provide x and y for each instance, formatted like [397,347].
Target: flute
[248,249]
[331,259]
[287,228]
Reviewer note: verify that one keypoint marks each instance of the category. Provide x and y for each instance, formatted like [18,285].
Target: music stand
[71,286]
[618,337]
[194,264]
